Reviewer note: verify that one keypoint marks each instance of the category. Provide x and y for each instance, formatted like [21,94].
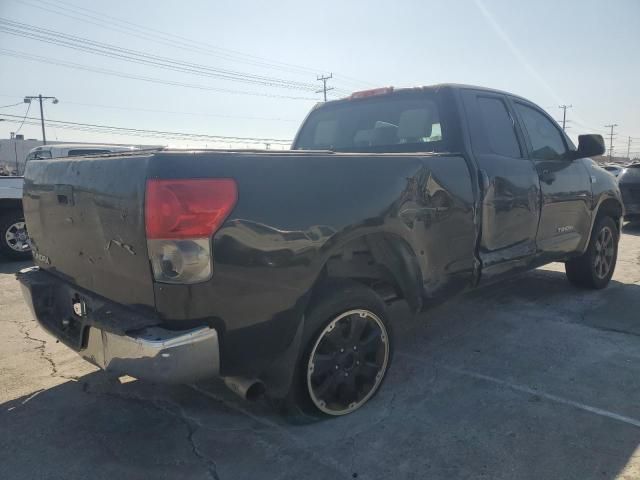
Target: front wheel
[595,267]
[14,241]
[347,354]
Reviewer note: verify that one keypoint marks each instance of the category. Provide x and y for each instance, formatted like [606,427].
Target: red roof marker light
[371,93]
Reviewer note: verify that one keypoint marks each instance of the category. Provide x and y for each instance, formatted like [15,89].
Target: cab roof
[389,90]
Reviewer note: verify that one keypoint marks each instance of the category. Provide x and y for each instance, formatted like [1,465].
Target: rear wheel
[347,354]
[14,240]
[595,267]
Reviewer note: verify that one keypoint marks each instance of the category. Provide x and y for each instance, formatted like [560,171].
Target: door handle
[547,176]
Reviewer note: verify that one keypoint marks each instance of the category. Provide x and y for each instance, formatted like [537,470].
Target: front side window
[385,124]
[546,139]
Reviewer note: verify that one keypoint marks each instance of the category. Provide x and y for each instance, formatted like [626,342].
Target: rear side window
[546,139]
[80,152]
[386,124]
[499,130]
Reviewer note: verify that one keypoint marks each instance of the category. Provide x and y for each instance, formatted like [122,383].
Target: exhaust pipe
[247,388]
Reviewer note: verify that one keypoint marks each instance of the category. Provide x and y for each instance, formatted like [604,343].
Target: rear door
[565,216]
[509,181]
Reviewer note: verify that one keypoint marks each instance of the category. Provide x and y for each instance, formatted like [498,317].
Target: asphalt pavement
[531,379]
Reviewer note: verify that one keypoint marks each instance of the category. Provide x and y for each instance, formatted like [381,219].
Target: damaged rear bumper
[116,338]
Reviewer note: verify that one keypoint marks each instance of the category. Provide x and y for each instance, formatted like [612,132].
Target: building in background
[13,151]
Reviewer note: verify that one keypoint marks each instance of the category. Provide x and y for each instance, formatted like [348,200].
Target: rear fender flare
[390,252]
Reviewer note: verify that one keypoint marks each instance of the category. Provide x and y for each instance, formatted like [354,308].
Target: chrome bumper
[151,353]
[156,354]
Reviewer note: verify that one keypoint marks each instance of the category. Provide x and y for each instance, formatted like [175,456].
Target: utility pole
[629,149]
[564,115]
[612,126]
[323,79]
[40,98]
[15,152]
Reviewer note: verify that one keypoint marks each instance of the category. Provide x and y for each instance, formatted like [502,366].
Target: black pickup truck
[629,182]
[272,270]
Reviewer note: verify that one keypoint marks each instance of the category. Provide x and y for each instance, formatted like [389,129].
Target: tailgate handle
[64,193]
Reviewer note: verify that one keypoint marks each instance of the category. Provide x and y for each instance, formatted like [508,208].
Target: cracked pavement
[531,379]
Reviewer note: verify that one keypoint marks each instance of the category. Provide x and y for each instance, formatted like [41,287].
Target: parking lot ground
[532,379]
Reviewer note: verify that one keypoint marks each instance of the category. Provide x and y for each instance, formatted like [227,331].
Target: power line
[593,129]
[181,135]
[173,112]
[164,136]
[76,66]
[23,118]
[12,105]
[152,134]
[173,40]
[134,56]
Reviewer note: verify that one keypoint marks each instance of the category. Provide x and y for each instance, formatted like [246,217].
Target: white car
[14,241]
[614,170]
[74,150]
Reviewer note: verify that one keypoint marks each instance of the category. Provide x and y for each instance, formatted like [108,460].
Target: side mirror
[591,145]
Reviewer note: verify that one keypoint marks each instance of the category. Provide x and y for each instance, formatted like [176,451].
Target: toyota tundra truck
[273,270]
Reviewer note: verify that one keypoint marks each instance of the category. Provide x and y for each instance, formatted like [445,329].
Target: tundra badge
[566,229]
[41,258]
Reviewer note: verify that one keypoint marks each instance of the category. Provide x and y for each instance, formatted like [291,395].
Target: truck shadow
[631,228]
[432,420]
[13,266]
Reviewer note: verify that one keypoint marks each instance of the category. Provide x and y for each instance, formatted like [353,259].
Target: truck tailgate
[86,224]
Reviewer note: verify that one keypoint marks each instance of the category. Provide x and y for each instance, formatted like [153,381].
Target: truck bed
[295,210]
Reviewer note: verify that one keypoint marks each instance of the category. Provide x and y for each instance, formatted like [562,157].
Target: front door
[509,180]
[565,216]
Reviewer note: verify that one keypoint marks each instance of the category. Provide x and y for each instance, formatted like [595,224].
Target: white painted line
[522,388]
[33,395]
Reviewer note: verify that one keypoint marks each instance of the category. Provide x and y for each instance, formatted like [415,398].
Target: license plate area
[66,316]
[67,311]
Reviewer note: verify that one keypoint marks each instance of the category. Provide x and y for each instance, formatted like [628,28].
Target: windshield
[385,124]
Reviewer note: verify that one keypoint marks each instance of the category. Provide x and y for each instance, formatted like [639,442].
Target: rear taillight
[180,218]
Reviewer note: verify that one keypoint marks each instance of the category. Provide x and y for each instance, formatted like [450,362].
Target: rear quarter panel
[295,211]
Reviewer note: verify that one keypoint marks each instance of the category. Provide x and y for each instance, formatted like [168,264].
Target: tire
[347,351]
[595,267]
[13,235]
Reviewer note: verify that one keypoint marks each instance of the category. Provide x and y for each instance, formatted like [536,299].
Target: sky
[582,53]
